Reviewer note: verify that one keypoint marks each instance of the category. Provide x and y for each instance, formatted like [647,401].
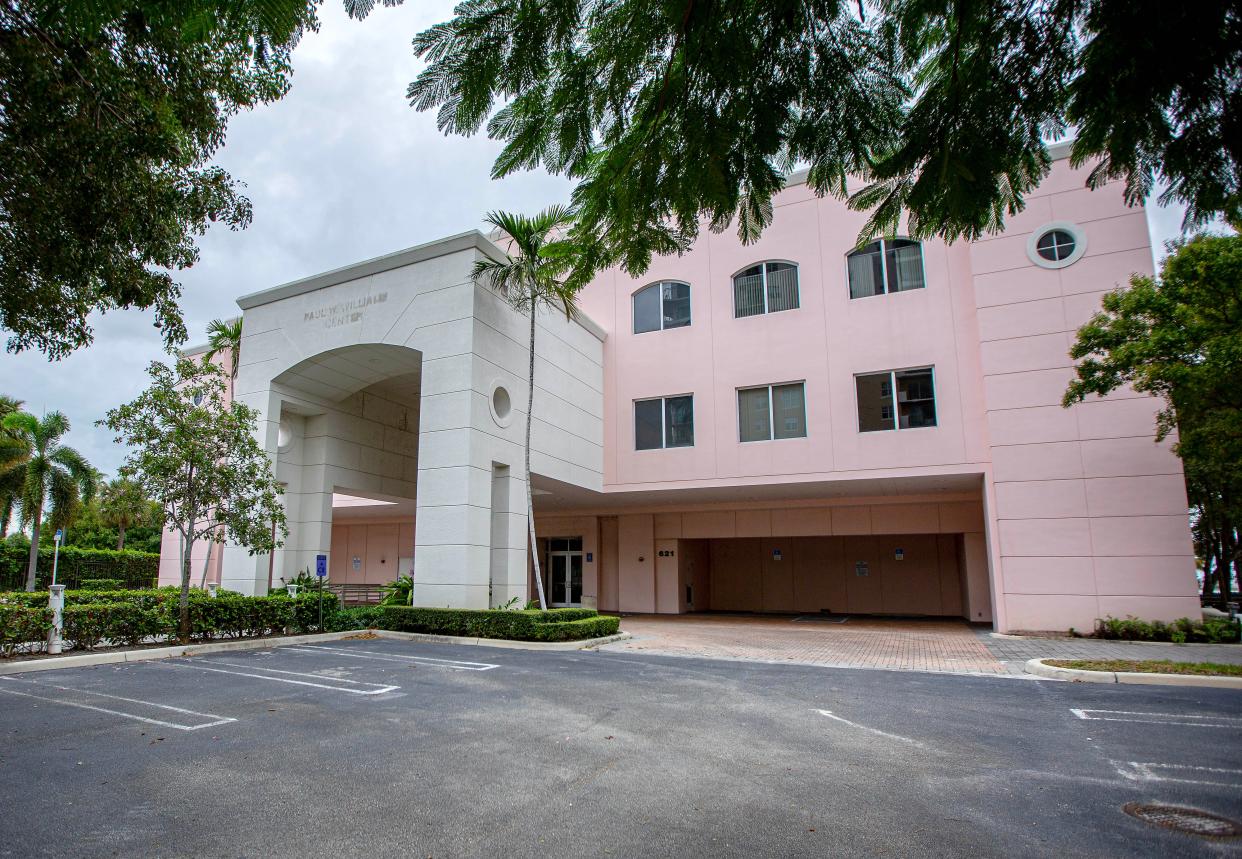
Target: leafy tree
[122,505]
[55,478]
[197,456]
[111,115]
[10,479]
[675,114]
[531,277]
[1179,336]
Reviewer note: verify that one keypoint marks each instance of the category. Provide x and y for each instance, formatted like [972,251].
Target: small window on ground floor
[896,399]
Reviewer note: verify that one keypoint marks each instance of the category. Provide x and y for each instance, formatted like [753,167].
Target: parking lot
[387,748]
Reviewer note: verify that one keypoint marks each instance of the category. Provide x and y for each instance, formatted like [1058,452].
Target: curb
[1077,675]
[508,643]
[86,660]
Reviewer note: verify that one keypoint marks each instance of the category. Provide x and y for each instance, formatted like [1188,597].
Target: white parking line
[1151,771]
[877,731]
[459,664]
[379,690]
[215,720]
[1182,719]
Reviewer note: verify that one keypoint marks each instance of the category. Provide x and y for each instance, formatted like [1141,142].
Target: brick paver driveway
[913,645]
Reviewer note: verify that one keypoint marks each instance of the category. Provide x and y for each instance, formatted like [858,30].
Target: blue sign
[321,566]
[60,535]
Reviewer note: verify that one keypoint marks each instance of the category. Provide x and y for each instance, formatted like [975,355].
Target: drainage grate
[1192,821]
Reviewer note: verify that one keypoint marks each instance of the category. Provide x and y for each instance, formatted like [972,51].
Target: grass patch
[1150,666]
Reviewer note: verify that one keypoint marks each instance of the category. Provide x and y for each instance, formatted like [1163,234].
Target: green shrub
[357,617]
[132,569]
[1180,631]
[116,623]
[101,585]
[95,618]
[23,628]
[565,624]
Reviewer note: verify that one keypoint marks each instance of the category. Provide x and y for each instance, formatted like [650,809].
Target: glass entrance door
[564,566]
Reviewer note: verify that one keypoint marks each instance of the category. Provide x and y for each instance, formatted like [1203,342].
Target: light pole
[60,534]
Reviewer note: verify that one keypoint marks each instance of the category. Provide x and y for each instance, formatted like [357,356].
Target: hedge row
[558,624]
[130,569]
[113,618]
[154,616]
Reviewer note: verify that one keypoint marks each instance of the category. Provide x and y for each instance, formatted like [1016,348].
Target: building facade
[798,425]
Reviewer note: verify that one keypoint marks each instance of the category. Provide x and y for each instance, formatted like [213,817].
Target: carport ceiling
[554,495]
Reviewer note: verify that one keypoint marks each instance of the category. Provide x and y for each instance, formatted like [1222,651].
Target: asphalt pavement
[390,748]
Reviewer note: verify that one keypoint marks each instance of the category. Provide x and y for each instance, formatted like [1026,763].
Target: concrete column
[453,524]
[509,538]
[239,570]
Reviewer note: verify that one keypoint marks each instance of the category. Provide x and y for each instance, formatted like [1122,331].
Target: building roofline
[472,239]
[1058,151]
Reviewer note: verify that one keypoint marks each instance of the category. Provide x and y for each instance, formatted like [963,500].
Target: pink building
[793,426]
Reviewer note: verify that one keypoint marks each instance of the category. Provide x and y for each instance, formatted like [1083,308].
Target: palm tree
[10,478]
[123,505]
[55,477]
[533,275]
[223,335]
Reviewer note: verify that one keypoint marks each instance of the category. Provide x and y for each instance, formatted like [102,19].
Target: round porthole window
[502,405]
[1056,245]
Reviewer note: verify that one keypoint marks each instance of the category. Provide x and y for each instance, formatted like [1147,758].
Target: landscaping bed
[1149,666]
[145,618]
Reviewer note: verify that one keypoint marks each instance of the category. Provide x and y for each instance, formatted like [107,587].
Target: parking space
[391,748]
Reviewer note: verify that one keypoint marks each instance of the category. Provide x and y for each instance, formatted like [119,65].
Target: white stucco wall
[385,372]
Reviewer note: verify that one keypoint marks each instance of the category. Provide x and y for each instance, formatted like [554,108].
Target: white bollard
[56,602]
[212,587]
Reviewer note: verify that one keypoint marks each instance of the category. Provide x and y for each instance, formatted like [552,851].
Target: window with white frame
[661,305]
[664,422]
[767,287]
[771,412]
[886,265]
[896,399]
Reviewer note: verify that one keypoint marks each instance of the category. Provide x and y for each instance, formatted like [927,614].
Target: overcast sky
[340,170]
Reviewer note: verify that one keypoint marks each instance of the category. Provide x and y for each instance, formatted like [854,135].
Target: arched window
[886,265]
[661,305]
[767,287]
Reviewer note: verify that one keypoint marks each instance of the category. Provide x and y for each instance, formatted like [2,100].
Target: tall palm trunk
[530,494]
[34,548]
[120,539]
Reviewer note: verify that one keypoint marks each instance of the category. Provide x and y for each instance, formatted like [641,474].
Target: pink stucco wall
[1085,515]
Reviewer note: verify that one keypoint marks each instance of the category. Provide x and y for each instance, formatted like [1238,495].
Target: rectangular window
[664,422]
[913,407]
[771,412]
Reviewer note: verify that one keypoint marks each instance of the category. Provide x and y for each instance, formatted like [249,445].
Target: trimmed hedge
[91,618]
[101,584]
[130,569]
[22,628]
[558,624]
